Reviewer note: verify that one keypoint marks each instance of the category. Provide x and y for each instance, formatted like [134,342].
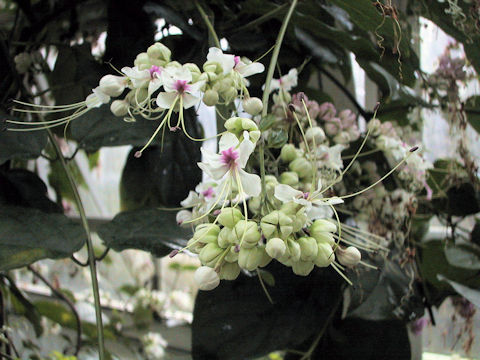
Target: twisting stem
[91,253]
[207,21]
[68,302]
[266,91]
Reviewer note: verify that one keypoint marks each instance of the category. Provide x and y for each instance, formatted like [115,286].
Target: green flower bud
[342,138]
[349,257]
[276,224]
[254,204]
[315,133]
[325,255]
[209,252]
[113,85]
[309,248]
[299,219]
[266,259]
[323,225]
[323,237]
[225,238]
[294,250]
[302,268]
[250,259]
[195,246]
[206,278]
[194,70]
[288,153]
[229,217]
[229,271]
[230,94]
[160,52]
[301,166]
[213,67]
[232,255]
[270,182]
[289,178]
[210,98]
[252,106]
[248,231]
[275,248]
[290,208]
[119,107]
[206,233]
[237,125]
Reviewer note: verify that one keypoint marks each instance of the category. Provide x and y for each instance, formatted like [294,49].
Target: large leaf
[23,145]
[166,173]
[28,235]
[151,230]
[236,321]
[464,255]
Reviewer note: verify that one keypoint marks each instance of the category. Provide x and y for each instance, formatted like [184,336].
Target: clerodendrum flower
[199,201]
[229,164]
[316,206]
[149,78]
[286,82]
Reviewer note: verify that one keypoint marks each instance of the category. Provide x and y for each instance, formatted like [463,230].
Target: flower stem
[91,254]
[207,21]
[266,92]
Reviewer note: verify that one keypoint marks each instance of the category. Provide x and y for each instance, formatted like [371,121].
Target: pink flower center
[181,86]
[208,193]
[306,195]
[155,71]
[229,157]
[236,60]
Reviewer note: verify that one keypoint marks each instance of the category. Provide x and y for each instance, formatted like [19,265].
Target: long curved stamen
[339,224]
[341,274]
[46,124]
[73,105]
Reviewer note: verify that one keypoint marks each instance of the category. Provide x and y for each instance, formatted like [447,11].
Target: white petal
[165,99]
[334,200]
[320,212]
[251,183]
[227,141]
[154,85]
[214,169]
[182,216]
[250,69]
[246,148]
[225,60]
[191,200]
[92,101]
[286,193]
[189,100]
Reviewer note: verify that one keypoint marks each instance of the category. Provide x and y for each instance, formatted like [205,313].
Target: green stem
[207,21]
[91,253]
[266,92]
[261,19]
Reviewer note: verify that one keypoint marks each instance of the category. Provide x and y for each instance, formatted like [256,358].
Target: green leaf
[28,235]
[236,321]
[465,256]
[21,145]
[472,295]
[151,230]
[277,138]
[162,176]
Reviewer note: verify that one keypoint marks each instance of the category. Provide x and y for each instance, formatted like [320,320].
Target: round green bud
[194,245]
[349,257]
[323,225]
[230,94]
[252,106]
[248,232]
[250,259]
[275,248]
[209,253]
[290,208]
[119,107]
[254,204]
[288,153]
[206,278]
[237,125]
[225,238]
[342,138]
[294,250]
[265,257]
[309,248]
[232,255]
[212,67]
[206,233]
[325,255]
[210,98]
[276,224]
[289,178]
[302,268]
[142,61]
[301,166]
[229,217]
[160,52]
[229,271]
[324,237]
[112,85]
[299,220]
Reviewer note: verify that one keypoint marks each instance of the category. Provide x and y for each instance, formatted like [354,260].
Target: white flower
[201,200]
[178,86]
[225,60]
[230,162]
[331,156]
[315,205]
[286,82]
[96,99]
[150,78]
[246,68]
[155,345]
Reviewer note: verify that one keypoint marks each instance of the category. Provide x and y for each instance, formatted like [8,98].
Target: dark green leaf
[22,145]
[463,200]
[236,321]
[28,235]
[277,138]
[267,122]
[151,230]
[472,295]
